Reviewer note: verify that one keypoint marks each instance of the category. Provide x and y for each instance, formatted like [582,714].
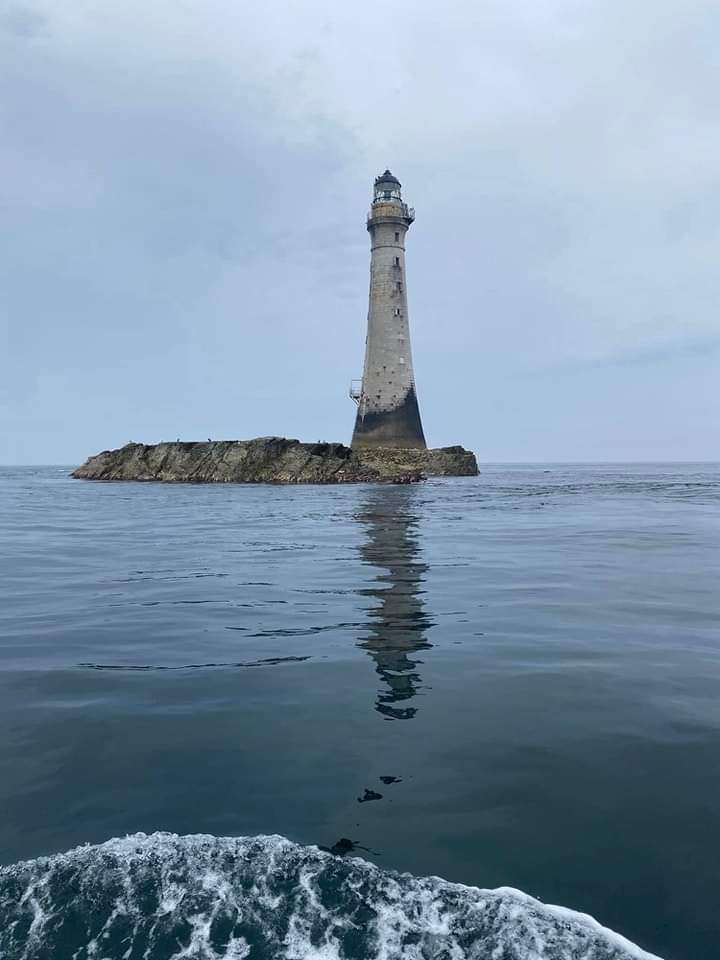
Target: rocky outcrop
[440,462]
[273,460]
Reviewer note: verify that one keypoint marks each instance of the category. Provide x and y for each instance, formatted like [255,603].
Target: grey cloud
[22,21]
[183,196]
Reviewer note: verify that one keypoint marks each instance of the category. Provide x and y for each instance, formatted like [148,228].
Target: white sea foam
[164,897]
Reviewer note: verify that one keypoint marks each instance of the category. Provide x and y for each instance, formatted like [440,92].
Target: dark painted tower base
[400,427]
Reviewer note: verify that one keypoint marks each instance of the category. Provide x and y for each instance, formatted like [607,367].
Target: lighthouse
[387,409]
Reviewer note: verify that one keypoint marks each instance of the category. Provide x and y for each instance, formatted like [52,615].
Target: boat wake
[165,897]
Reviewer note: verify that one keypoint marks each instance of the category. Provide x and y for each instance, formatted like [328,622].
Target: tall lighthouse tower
[388,413]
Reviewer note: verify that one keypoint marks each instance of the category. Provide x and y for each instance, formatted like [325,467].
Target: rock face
[273,460]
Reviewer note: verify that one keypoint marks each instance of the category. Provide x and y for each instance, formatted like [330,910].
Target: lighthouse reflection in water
[398,623]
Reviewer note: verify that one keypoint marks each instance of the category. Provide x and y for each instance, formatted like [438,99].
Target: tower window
[399,287]
[397,311]
[397,237]
[397,261]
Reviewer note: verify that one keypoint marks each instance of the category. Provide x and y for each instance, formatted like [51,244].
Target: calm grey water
[535,653]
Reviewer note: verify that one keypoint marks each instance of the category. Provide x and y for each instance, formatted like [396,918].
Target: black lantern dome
[387,187]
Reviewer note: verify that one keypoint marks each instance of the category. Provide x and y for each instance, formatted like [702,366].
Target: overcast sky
[183,190]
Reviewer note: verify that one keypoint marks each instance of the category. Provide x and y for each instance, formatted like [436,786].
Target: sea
[465,718]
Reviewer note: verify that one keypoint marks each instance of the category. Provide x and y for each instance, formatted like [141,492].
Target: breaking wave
[163,896]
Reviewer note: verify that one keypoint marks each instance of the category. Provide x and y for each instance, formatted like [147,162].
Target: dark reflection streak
[397,626]
[270,661]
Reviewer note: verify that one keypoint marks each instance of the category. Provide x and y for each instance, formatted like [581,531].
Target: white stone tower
[388,413]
